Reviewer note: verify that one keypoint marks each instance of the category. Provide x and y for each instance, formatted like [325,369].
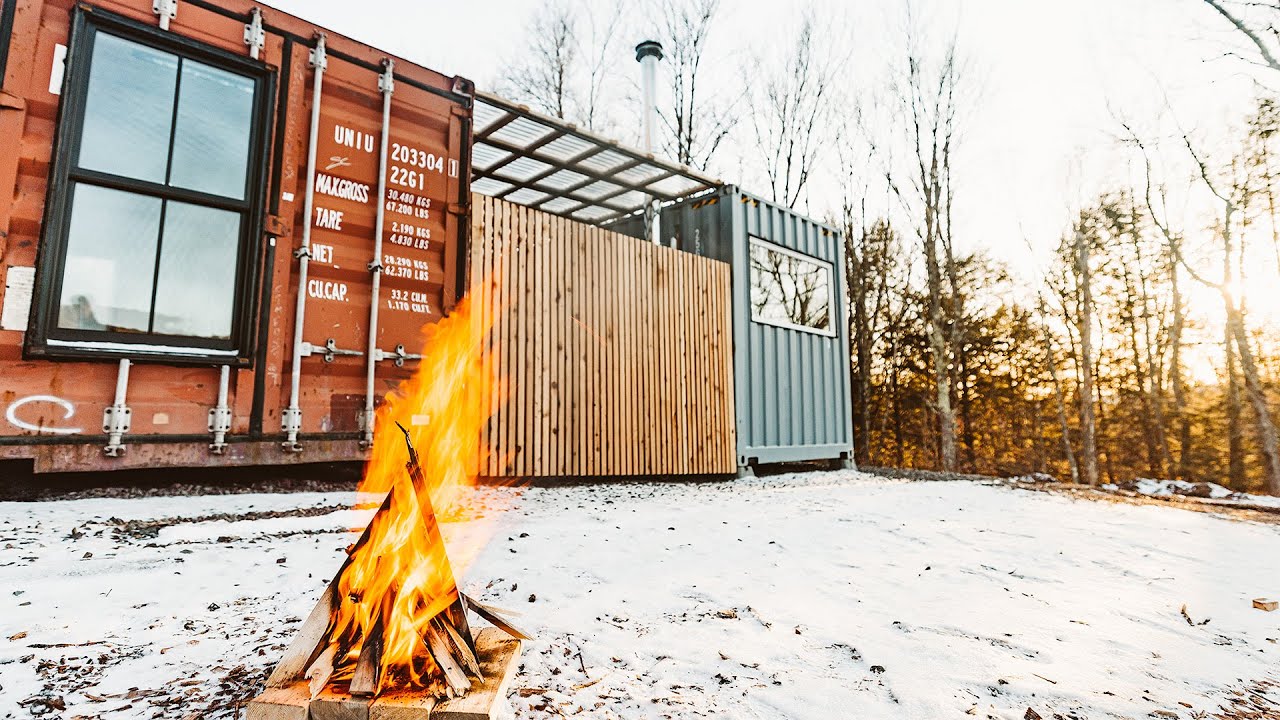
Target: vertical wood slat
[616,355]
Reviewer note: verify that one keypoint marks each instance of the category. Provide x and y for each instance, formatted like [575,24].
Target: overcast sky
[1052,77]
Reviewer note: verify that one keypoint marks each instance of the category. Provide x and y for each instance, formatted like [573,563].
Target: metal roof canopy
[551,165]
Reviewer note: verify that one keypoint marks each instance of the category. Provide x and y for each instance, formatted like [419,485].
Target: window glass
[128,109]
[211,141]
[195,289]
[110,263]
[789,289]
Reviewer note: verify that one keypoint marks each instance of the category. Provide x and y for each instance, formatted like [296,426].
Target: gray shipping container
[790,322]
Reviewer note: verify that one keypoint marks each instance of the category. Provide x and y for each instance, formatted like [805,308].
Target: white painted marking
[12,415]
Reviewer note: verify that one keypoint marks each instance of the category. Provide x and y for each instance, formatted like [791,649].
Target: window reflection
[211,140]
[128,109]
[110,263]
[195,288]
[789,289]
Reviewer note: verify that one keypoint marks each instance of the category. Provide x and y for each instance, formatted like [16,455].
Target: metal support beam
[387,84]
[291,418]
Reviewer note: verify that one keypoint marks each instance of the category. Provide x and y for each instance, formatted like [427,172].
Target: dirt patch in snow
[1255,513]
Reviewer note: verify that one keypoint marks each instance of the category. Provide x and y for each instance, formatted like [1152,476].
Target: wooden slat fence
[617,354]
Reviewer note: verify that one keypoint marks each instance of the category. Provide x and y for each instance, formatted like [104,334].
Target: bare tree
[697,119]
[791,111]
[543,75]
[1259,22]
[1232,200]
[929,101]
[597,45]
[568,65]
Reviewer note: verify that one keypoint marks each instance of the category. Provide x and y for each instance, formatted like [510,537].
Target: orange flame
[400,578]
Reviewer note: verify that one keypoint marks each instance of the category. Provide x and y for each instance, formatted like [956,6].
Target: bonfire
[391,630]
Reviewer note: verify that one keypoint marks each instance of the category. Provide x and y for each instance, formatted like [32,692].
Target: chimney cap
[649,48]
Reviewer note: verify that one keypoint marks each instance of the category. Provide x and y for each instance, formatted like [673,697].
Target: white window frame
[830,330]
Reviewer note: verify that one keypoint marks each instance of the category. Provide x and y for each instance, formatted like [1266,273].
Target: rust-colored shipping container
[152,248]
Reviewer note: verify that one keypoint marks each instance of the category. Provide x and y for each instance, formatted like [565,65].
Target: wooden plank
[290,702]
[332,704]
[499,656]
[520,345]
[648,352]
[439,647]
[593,346]
[609,379]
[402,706]
[626,269]
[364,680]
[537,314]
[561,336]
[584,354]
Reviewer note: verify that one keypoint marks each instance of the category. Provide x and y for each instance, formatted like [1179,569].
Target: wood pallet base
[497,652]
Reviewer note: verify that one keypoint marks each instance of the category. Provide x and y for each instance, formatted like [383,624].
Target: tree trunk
[1089,450]
[1067,451]
[1176,377]
[1267,438]
[1235,437]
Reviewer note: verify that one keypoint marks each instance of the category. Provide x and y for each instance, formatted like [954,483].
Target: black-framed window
[154,197]
[790,289]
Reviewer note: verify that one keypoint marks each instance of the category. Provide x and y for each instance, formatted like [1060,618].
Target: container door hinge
[116,421]
[219,425]
[118,418]
[319,58]
[329,350]
[275,225]
[167,10]
[254,36]
[291,423]
[458,208]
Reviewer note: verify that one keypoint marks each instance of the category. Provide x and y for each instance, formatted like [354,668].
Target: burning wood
[389,637]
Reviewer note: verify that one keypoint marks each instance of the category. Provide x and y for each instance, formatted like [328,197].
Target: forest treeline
[1147,346]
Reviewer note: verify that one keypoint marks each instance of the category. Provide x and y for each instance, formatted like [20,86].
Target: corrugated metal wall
[616,353]
[792,386]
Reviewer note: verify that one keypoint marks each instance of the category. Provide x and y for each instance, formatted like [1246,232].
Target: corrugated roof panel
[564,148]
[629,200]
[485,115]
[640,174]
[563,180]
[560,204]
[484,157]
[526,196]
[591,213]
[522,132]
[597,190]
[489,186]
[522,168]
[606,161]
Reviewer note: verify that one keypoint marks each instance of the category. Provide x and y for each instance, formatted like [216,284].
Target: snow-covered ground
[825,595]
